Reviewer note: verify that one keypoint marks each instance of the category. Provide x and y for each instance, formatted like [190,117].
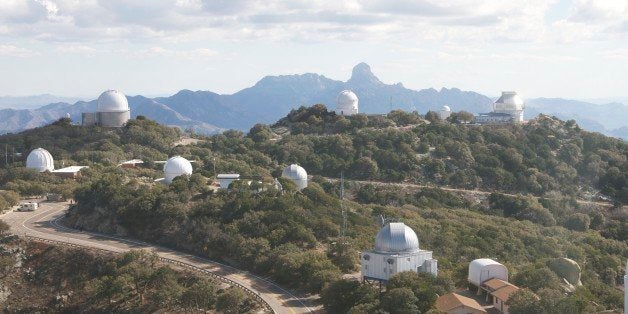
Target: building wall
[486,272]
[89,118]
[113,119]
[346,111]
[378,267]
[500,305]
[444,114]
[224,183]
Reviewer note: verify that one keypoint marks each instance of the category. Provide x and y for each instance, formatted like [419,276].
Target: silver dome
[112,101]
[347,103]
[40,160]
[296,174]
[509,101]
[396,237]
[176,166]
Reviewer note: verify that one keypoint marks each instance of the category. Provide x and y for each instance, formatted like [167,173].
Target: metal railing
[226,280]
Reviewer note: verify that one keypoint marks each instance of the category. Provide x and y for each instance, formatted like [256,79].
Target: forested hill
[542,157]
[292,237]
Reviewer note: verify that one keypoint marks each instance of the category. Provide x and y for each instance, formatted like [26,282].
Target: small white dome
[40,160]
[347,103]
[176,166]
[296,174]
[396,237]
[509,101]
[446,108]
[112,101]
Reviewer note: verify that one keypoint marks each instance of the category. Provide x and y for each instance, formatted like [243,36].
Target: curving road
[45,223]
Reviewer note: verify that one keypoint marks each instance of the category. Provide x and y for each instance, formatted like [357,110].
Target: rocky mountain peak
[362,74]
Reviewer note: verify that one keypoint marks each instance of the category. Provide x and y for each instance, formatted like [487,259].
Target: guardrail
[228,281]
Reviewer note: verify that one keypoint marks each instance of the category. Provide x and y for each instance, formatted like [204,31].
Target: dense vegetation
[294,236]
[541,157]
[57,279]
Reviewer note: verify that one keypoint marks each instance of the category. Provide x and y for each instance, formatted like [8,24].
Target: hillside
[39,277]
[292,237]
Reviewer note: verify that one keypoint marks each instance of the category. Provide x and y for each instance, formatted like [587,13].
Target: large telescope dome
[112,101]
[347,103]
[176,166]
[396,237]
[509,101]
[40,160]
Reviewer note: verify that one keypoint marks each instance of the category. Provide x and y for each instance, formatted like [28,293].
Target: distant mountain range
[32,102]
[274,96]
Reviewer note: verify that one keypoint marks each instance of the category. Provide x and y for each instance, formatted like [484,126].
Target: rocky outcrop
[568,270]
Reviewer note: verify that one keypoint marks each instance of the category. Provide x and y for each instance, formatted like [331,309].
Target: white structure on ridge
[40,160]
[347,103]
[396,250]
[444,113]
[296,174]
[507,109]
[112,110]
[483,269]
[176,166]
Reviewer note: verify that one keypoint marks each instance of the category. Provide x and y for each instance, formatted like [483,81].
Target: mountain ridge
[272,97]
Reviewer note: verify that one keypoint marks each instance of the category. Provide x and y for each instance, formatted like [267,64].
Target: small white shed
[483,269]
[226,178]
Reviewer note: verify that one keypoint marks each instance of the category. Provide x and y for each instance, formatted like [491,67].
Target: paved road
[45,223]
[416,186]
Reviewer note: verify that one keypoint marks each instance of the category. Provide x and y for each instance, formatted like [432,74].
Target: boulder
[567,269]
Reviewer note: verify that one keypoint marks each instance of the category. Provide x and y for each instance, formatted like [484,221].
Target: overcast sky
[561,48]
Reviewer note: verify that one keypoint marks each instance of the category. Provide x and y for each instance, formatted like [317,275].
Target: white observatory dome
[40,160]
[112,101]
[446,108]
[509,101]
[347,103]
[176,166]
[296,174]
[396,237]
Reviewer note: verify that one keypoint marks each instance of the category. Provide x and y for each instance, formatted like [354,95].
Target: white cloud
[14,51]
[384,20]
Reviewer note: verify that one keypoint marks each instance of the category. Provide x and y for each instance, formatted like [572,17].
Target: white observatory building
[176,166]
[396,250]
[507,109]
[347,103]
[484,269]
[112,110]
[40,160]
[296,174]
[444,113]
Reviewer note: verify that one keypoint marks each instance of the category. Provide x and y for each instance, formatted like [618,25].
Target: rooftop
[495,283]
[504,292]
[228,176]
[451,301]
[131,162]
[70,169]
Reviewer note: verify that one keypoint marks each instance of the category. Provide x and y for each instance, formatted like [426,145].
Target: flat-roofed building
[71,172]
[225,179]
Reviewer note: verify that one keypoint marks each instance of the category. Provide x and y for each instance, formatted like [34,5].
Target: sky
[553,48]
